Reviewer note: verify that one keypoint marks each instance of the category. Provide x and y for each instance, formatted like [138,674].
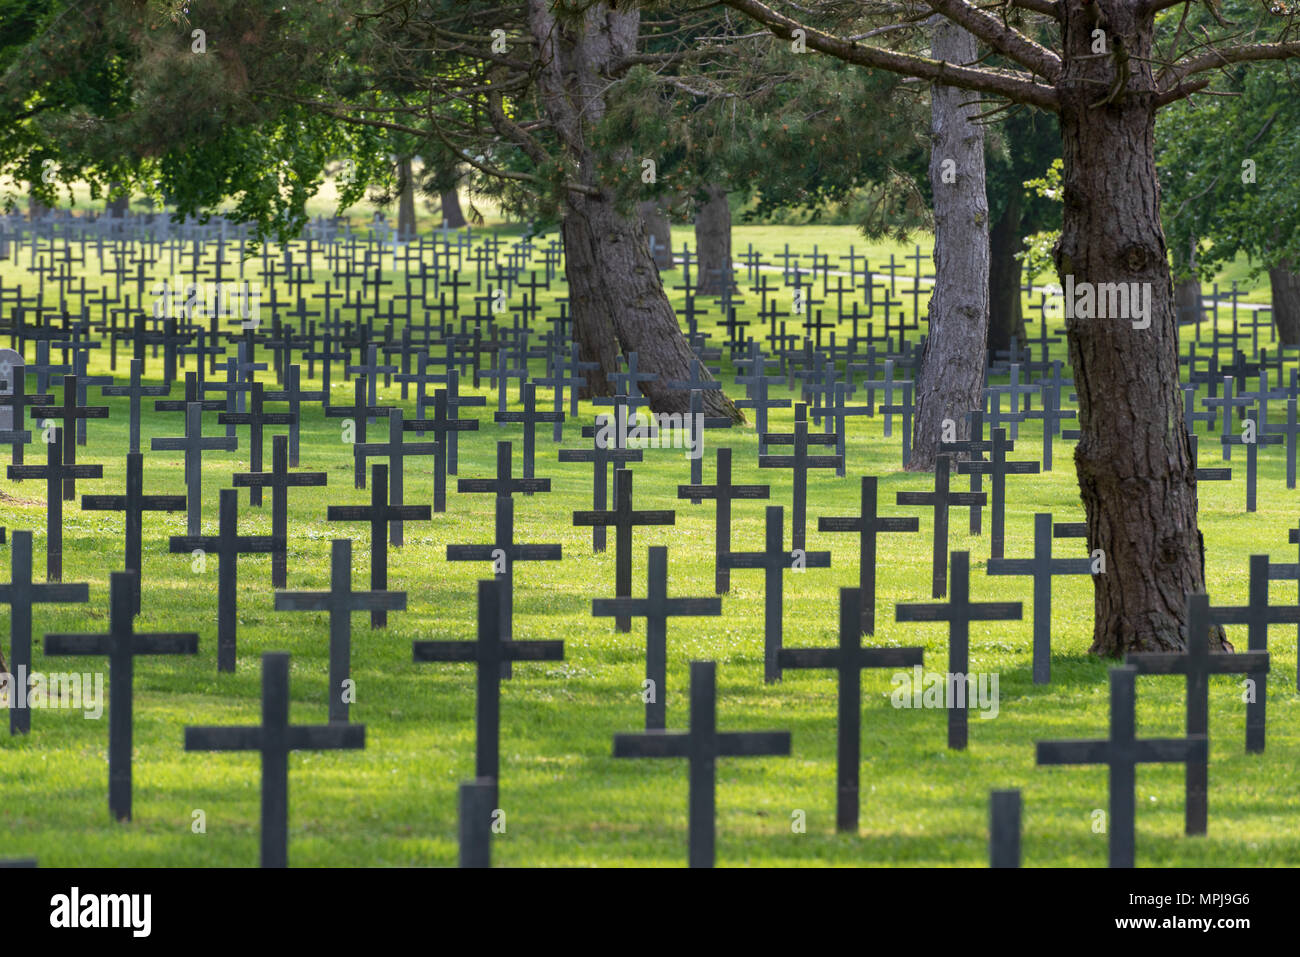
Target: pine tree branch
[1016,86]
[1004,39]
[1224,56]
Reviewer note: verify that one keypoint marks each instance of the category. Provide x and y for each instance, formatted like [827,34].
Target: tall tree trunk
[612,279]
[452,217]
[1188,309]
[1286,303]
[713,243]
[1006,317]
[406,225]
[654,219]
[952,366]
[1135,470]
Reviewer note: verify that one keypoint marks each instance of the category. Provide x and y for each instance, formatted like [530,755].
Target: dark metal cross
[503,552]
[600,455]
[135,390]
[1122,752]
[19,401]
[530,418]
[492,649]
[445,428]
[868,524]
[1041,568]
[998,468]
[341,602]
[1252,444]
[656,608]
[701,746]
[1198,663]
[55,472]
[959,612]
[799,462]
[775,560]
[848,659]
[396,450]
[294,394]
[1004,829]
[134,504]
[369,372]
[194,444]
[940,500]
[121,645]
[20,594]
[1257,615]
[723,493]
[68,413]
[280,480]
[378,513]
[359,413]
[624,519]
[227,545]
[275,738]
[256,418]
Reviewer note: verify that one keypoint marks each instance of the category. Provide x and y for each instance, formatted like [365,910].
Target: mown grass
[567,801]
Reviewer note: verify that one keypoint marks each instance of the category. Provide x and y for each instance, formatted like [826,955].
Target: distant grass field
[567,801]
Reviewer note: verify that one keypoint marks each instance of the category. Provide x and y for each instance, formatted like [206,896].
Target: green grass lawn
[567,801]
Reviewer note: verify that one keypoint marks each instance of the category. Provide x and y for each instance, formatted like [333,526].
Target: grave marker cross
[1198,663]
[656,608]
[121,645]
[1122,751]
[341,602]
[702,745]
[134,504]
[275,738]
[848,660]
[624,519]
[20,593]
[959,613]
[227,545]
[489,653]
[775,560]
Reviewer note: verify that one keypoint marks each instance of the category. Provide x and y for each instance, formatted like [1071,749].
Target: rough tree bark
[1188,308]
[654,219]
[713,243]
[1006,316]
[952,367]
[1136,475]
[406,224]
[451,215]
[1286,303]
[614,287]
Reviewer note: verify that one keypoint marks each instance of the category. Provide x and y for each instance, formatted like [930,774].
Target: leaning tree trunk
[612,279]
[1135,470]
[713,243]
[1286,303]
[654,219]
[952,367]
[613,283]
[1188,308]
[406,225]
[589,304]
[1006,317]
